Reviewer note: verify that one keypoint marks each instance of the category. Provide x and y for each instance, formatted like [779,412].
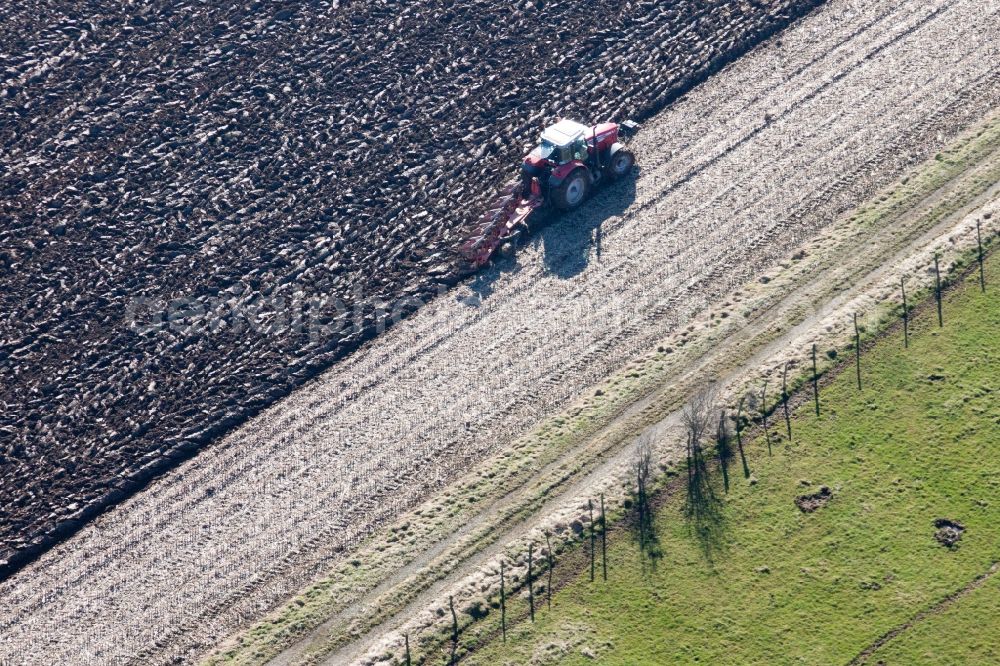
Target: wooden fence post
[454,629]
[784,400]
[531,591]
[503,605]
[552,564]
[763,414]
[722,448]
[639,507]
[979,242]
[406,640]
[937,290]
[604,541]
[815,380]
[906,315]
[739,437]
[857,349]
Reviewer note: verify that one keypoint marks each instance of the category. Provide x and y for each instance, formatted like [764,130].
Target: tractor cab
[562,143]
[570,159]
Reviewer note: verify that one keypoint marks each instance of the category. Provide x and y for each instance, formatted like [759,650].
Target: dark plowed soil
[252,158]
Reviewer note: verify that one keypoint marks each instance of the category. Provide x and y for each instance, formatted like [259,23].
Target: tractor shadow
[570,240]
[567,240]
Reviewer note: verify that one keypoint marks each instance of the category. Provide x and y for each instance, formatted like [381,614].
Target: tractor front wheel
[621,164]
[573,190]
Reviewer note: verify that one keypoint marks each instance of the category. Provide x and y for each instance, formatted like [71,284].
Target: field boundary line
[936,609]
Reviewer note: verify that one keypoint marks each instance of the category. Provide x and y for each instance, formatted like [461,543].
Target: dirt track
[733,176]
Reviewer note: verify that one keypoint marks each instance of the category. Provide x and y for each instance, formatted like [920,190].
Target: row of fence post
[785,395]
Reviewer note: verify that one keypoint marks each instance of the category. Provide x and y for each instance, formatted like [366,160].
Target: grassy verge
[748,578]
[957,635]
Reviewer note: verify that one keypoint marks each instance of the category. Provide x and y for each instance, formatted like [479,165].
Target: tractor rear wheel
[621,164]
[573,190]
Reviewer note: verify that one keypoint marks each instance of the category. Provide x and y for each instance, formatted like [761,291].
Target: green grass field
[753,580]
[965,633]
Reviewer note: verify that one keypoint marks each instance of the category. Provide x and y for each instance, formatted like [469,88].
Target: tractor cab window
[561,154]
[557,154]
[580,149]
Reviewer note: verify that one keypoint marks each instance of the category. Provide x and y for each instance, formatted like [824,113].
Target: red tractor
[560,172]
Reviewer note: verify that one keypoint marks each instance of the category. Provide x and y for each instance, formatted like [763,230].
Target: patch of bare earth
[813,501]
[948,532]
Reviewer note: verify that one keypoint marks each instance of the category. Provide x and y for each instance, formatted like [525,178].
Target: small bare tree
[642,463]
[698,416]
[701,419]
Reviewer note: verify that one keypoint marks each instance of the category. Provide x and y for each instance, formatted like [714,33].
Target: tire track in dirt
[939,607]
[229,534]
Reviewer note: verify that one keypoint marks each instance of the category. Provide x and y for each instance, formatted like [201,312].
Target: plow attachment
[506,217]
